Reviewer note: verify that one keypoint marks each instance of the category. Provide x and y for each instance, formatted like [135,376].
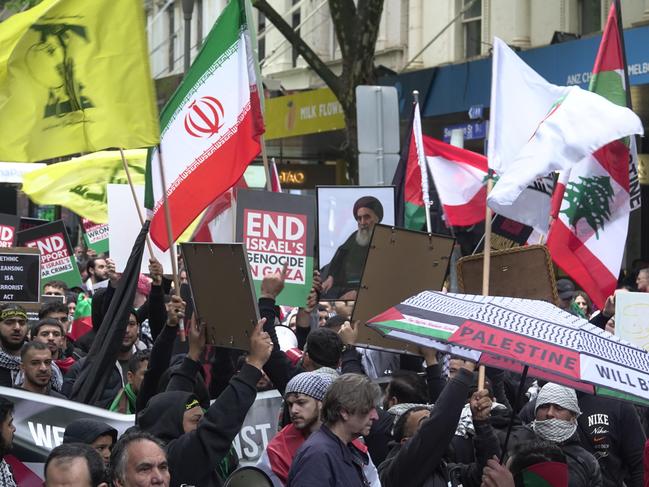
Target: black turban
[369,202]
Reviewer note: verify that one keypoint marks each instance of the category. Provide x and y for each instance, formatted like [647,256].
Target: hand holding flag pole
[172,248]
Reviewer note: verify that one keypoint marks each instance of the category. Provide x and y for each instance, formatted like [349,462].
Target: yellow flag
[75,77]
[80,184]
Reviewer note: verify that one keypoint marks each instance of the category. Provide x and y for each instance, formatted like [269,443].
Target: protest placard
[9,225]
[278,228]
[57,256]
[632,317]
[124,226]
[95,235]
[222,292]
[19,275]
[346,216]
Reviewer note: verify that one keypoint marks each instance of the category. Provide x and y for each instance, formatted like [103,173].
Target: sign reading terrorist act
[19,275]
[277,229]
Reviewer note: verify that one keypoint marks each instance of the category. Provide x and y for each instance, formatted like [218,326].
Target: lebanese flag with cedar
[588,237]
[460,177]
[209,129]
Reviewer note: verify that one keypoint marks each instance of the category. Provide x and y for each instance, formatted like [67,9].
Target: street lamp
[188,8]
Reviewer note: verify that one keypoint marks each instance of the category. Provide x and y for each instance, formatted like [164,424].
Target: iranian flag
[411,178]
[460,176]
[209,129]
[588,237]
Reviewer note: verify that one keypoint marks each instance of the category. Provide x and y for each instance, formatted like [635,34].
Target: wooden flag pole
[486,264]
[170,239]
[135,200]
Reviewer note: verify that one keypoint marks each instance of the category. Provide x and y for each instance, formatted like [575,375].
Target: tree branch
[303,49]
[343,16]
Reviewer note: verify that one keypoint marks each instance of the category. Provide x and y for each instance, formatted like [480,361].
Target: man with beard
[330,456]
[345,269]
[303,395]
[7,430]
[117,380]
[36,366]
[555,420]
[13,330]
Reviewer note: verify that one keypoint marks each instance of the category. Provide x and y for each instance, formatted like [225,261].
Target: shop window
[472,26]
[590,16]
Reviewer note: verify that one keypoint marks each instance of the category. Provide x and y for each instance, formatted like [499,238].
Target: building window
[472,25]
[199,24]
[261,43]
[296,19]
[171,36]
[590,16]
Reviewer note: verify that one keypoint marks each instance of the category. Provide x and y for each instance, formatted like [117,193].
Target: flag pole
[486,263]
[135,200]
[170,239]
[422,164]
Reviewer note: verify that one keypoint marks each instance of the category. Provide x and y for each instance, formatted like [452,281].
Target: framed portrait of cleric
[346,218]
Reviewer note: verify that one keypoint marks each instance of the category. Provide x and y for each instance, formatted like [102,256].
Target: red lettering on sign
[523,349]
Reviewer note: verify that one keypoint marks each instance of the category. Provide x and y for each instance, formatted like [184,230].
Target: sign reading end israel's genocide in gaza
[19,275]
[278,230]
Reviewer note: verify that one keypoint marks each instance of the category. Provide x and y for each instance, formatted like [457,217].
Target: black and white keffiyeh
[6,476]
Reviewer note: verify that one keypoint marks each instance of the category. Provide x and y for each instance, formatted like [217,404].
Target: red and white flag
[459,177]
[218,220]
[588,237]
[209,129]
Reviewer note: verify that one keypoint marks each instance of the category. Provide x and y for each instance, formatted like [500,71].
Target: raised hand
[175,310]
[273,283]
[196,339]
[261,346]
[155,272]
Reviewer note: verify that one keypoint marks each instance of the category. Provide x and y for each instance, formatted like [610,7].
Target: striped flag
[411,179]
[587,239]
[460,177]
[209,129]
[217,222]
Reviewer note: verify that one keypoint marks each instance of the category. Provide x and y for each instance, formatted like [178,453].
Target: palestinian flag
[411,178]
[209,129]
[460,176]
[82,320]
[587,239]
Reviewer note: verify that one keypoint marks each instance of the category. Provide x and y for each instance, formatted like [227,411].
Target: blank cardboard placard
[632,317]
[222,291]
[124,227]
[521,272]
[400,264]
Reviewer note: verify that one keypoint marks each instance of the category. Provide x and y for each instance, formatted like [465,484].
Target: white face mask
[555,430]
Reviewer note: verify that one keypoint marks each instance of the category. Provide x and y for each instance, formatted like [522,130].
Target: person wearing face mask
[555,421]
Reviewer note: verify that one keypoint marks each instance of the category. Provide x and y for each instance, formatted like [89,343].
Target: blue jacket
[325,461]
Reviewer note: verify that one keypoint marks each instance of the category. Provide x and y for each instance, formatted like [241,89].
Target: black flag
[100,361]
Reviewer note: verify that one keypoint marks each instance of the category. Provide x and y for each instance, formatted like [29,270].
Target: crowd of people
[350,417]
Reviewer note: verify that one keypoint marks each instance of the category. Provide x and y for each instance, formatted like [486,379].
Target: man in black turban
[345,269]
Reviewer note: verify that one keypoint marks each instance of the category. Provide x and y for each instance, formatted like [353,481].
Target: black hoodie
[87,430]
[193,457]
